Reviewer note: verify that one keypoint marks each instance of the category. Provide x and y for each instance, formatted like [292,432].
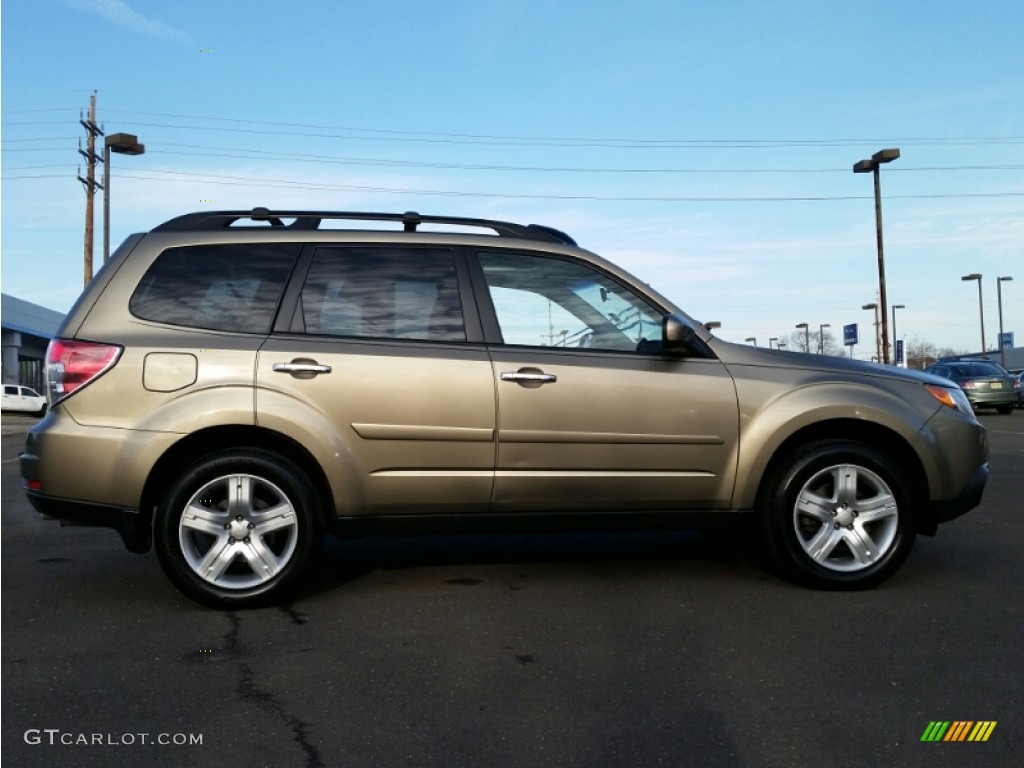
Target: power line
[336,132]
[226,180]
[601,140]
[254,154]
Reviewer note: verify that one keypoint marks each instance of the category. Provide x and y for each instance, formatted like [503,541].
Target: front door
[591,414]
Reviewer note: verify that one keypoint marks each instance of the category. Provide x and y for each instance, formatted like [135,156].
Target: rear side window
[383,293]
[217,287]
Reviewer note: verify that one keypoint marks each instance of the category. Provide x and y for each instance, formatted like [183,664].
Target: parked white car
[25,399]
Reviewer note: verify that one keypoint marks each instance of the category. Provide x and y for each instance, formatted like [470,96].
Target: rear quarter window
[216,287]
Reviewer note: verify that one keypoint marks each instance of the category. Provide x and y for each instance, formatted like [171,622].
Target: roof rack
[308,220]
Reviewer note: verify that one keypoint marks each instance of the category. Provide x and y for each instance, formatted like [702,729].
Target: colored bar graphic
[982,730]
[935,731]
[959,730]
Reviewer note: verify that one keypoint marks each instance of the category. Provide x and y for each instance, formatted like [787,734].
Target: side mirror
[677,337]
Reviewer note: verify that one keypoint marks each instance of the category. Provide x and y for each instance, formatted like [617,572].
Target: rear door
[592,415]
[379,368]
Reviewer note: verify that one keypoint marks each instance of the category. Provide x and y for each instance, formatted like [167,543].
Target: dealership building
[25,330]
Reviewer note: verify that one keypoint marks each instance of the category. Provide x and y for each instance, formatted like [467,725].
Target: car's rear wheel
[1004,409]
[237,529]
[837,515]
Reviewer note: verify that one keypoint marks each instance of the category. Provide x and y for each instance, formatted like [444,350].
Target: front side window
[549,302]
[217,287]
[383,293]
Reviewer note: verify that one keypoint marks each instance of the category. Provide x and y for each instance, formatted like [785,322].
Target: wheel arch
[226,437]
[878,437]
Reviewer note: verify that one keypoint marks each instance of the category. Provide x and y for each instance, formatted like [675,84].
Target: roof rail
[306,220]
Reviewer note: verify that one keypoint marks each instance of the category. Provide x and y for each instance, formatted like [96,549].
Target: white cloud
[120,13]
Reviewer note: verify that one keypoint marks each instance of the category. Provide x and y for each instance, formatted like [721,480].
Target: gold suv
[232,384]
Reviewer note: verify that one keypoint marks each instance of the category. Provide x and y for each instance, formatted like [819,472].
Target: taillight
[968,385]
[70,365]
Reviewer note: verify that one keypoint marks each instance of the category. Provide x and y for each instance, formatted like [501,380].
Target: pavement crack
[265,700]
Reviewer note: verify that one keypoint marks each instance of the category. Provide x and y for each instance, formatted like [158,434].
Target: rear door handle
[301,368]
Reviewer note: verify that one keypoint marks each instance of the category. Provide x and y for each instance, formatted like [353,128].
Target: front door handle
[301,367]
[526,376]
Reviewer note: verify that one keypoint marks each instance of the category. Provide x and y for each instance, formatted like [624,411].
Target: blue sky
[707,147]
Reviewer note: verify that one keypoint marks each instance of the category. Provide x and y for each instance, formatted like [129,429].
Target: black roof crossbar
[306,220]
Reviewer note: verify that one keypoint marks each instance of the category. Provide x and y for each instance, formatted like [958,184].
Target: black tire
[837,515]
[41,412]
[1005,410]
[252,527]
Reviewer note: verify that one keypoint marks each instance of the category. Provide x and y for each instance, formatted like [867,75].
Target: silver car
[233,384]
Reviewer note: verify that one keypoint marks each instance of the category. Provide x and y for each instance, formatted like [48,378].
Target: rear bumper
[136,529]
[993,399]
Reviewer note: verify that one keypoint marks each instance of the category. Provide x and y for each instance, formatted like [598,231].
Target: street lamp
[773,338]
[713,324]
[1002,345]
[122,144]
[894,336]
[752,340]
[878,354]
[780,344]
[981,306]
[821,337]
[872,165]
[807,336]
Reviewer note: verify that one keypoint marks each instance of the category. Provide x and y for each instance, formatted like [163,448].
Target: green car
[987,384]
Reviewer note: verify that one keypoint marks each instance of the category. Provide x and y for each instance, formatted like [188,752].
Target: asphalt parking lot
[645,649]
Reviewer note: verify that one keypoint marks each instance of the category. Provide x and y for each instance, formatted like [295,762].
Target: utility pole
[91,185]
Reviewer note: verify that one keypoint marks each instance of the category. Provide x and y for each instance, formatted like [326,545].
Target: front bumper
[944,510]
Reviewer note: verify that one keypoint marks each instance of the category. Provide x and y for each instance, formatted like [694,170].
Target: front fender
[768,421]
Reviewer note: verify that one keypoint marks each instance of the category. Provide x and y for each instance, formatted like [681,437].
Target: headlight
[951,397]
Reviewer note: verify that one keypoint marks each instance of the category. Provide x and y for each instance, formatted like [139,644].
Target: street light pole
[821,337]
[981,306]
[123,144]
[883,156]
[999,294]
[752,340]
[773,338]
[807,336]
[878,354]
[895,338]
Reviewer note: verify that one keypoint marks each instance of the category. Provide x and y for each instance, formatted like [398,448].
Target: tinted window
[10,390]
[29,392]
[968,370]
[383,293]
[550,302]
[220,287]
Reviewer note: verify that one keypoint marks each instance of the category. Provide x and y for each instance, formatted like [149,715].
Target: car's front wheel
[837,515]
[237,528]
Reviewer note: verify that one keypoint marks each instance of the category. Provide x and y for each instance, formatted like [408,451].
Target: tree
[798,341]
[920,353]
